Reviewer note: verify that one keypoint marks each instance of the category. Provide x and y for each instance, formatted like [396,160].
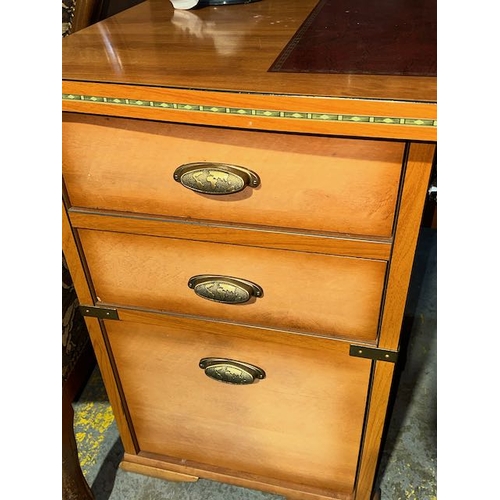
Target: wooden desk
[229,217]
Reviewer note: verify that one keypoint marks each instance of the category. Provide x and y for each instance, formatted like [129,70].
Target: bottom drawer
[301,423]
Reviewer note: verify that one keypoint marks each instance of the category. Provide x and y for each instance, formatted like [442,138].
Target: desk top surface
[305,47]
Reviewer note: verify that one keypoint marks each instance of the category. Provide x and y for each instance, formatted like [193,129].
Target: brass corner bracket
[99,312]
[373,353]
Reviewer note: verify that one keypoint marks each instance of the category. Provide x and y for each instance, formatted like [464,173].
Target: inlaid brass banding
[308,116]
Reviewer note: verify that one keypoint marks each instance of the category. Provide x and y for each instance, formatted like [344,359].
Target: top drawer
[307,182]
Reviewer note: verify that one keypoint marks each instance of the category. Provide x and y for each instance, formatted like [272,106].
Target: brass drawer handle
[215,178]
[231,371]
[225,289]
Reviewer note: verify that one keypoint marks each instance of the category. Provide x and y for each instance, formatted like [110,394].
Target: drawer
[305,292]
[302,423]
[308,182]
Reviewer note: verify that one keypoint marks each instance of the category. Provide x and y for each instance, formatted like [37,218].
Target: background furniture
[78,359]
[78,14]
[321,254]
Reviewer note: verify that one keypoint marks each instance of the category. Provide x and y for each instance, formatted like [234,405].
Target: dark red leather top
[380,37]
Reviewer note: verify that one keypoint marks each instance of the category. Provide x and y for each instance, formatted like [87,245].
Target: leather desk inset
[380,37]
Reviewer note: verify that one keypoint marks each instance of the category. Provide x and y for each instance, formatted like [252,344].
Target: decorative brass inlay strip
[299,115]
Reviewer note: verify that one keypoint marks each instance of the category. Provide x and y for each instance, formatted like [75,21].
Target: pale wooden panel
[379,248]
[378,401]
[325,294]
[291,491]
[157,472]
[417,174]
[95,333]
[302,423]
[308,182]
[73,262]
[108,374]
[244,332]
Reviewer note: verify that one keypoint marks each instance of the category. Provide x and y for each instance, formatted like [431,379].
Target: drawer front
[301,423]
[307,182]
[305,292]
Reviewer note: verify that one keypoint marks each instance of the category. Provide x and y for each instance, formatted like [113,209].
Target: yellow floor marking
[92,420]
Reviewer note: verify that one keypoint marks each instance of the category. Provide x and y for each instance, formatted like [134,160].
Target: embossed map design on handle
[225,289]
[215,178]
[231,371]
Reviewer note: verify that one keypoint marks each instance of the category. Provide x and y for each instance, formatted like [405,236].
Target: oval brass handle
[225,289]
[231,371]
[215,178]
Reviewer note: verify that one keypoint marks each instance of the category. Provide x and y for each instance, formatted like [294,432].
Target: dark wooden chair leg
[74,485]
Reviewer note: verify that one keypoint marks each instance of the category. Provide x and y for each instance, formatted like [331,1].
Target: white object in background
[184,4]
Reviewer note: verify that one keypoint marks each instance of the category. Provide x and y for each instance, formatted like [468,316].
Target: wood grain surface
[306,181]
[177,410]
[158,46]
[310,293]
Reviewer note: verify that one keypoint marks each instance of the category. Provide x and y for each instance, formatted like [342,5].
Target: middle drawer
[303,292]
